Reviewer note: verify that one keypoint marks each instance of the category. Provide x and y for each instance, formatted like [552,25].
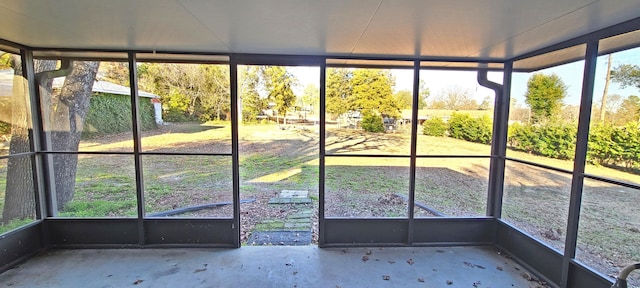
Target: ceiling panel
[490,29]
[285,26]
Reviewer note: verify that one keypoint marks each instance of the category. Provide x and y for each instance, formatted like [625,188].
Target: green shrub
[372,123]
[110,113]
[462,126]
[555,140]
[602,149]
[434,127]
[5,128]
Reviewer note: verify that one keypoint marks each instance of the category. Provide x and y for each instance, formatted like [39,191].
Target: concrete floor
[271,266]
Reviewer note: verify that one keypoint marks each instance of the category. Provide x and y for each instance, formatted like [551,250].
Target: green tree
[372,93]
[65,113]
[424,93]
[251,102]
[279,84]
[626,75]
[629,110]
[338,89]
[544,95]
[310,99]
[188,91]
[115,72]
[404,98]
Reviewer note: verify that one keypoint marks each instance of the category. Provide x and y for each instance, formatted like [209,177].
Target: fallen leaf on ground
[410,261]
[365,258]
[138,282]
[200,270]
[420,280]
[386,277]
[391,262]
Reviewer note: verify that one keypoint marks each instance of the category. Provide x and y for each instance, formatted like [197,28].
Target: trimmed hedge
[615,146]
[110,113]
[463,126]
[551,140]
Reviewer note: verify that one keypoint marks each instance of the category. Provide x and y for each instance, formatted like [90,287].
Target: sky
[439,80]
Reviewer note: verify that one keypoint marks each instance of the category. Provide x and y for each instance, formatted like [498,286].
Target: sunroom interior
[564,212]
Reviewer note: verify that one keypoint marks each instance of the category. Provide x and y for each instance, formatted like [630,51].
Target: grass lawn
[273,159]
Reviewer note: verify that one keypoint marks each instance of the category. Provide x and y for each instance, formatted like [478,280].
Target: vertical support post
[322,153]
[35,133]
[414,149]
[499,138]
[580,158]
[235,159]
[137,146]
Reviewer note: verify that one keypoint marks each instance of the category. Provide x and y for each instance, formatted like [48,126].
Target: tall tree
[67,120]
[280,83]
[115,72]
[188,91]
[310,99]
[338,90]
[372,93]
[607,79]
[424,93]
[629,110]
[544,95]
[64,113]
[251,102]
[404,98]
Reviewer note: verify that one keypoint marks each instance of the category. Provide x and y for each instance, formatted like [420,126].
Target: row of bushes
[615,146]
[609,146]
[460,126]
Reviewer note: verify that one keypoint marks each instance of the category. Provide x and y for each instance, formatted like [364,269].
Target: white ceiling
[487,29]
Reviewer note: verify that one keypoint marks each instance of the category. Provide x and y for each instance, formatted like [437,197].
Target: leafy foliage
[463,126]
[252,103]
[188,91]
[5,128]
[434,127]
[110,113]
[554,140]
[338,90]
[544,95]
[372,92]
[615,146]
[279,83]
[372,123]
[626,75]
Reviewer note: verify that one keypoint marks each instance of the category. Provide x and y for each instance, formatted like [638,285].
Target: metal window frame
[490,230]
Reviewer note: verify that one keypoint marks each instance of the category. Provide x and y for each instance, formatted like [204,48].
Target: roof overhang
[489,31]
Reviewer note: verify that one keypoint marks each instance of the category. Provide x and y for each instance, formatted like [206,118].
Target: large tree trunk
[19,200]
[67,122]
[65,113]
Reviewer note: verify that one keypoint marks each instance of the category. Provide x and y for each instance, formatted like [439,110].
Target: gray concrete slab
[294,194]
[260,266]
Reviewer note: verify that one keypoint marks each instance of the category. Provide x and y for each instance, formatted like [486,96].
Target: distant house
[151,109]
[104,88]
